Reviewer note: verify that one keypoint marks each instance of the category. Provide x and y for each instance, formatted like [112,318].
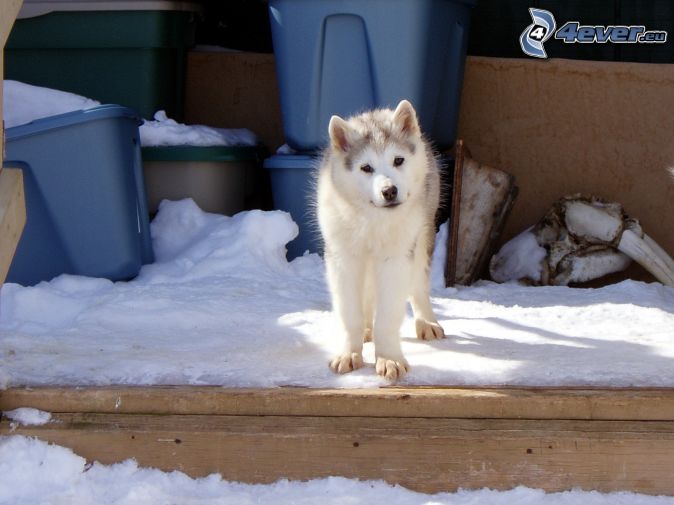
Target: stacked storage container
[346,56]
[85,195]
[129,52]
[85,198]
[217,178]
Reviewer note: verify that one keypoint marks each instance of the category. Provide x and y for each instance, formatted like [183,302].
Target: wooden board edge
[468,403]
[12,217]
[9,9]
[428,455]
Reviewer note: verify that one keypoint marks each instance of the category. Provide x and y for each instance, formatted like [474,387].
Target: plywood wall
[234,90]
[566,126]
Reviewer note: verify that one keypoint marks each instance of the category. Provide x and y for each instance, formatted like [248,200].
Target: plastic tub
[127,52]
[85,196]
[216,178]
[292,182]
[345,56]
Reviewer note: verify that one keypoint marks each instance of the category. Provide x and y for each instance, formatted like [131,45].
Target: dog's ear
[341,134]
[405,119]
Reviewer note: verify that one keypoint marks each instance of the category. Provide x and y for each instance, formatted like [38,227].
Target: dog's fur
[378,244]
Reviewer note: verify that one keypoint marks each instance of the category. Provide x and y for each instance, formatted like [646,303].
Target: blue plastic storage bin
[346,56]
[85,196]
[292,182]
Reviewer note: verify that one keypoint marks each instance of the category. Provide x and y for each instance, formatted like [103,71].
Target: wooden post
[12,204]
[455,215]
[12,216]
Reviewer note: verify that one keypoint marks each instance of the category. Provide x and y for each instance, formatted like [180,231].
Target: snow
[32,471]
[285,149]
[519,258]
[23,103]
[28,416]
[164,131]
[222,306]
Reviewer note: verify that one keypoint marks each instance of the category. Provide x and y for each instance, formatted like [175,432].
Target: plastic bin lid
[291,161]
[204,153]
[71,118]
[34,8]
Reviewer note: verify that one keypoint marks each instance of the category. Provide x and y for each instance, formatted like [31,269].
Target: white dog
[377,195]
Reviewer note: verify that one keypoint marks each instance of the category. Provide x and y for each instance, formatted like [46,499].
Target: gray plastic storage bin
[292,182]
[85,196]
[215,177]
[345,56]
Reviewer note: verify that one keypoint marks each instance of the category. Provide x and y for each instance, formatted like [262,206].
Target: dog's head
[380,156]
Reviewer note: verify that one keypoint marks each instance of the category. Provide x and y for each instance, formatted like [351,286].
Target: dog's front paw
[391,369]
[347,362]
[427,330]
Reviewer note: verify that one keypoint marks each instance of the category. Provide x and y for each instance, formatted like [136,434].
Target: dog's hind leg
[345,277]
[427,326]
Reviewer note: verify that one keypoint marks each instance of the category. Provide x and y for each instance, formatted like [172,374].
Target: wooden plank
[12,205]
[429,455]
[466,403]
[455,215]
[12,216]
[9,9]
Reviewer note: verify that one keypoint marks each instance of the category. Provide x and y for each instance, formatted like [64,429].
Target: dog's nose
[389,193]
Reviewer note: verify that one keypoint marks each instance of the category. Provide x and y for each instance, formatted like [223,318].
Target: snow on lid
[24,103]
[164,131]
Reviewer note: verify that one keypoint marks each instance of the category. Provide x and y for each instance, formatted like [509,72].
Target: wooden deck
[427,439]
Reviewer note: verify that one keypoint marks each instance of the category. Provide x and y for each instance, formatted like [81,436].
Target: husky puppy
[377,195]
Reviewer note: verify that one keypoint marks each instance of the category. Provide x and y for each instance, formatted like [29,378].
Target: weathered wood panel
[428,439]
[467,403]
[424,454]
[12,205]
[8,12]
[12,215]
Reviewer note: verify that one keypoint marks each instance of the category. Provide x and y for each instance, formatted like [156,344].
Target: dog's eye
[367,168]
[398,160]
